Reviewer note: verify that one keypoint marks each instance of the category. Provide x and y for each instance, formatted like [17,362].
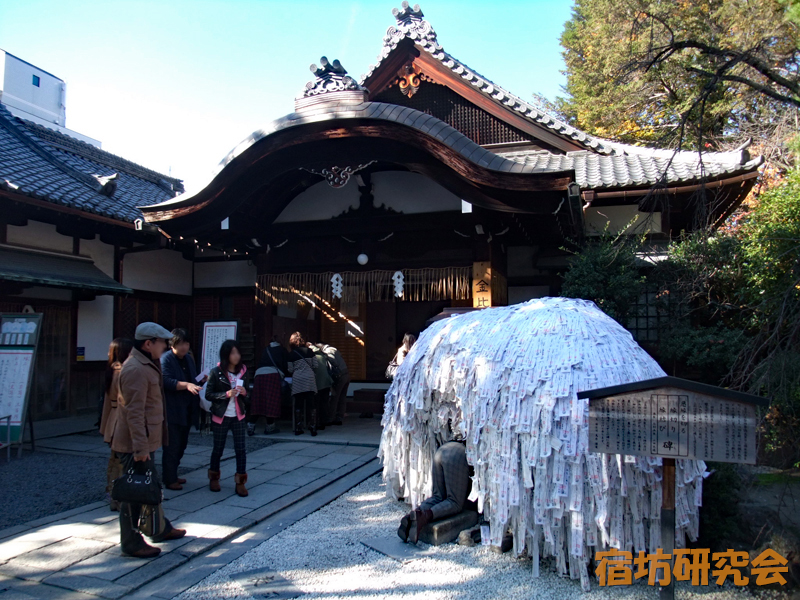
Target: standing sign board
[675,421]
[19,337]
[214,333]
[673,418]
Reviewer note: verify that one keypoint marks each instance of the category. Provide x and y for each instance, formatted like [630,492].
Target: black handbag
[137,487]
[286,389]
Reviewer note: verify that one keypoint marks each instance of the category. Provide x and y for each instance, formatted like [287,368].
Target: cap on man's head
[148,331]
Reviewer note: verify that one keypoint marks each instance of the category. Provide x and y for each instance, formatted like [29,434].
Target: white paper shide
[506,380]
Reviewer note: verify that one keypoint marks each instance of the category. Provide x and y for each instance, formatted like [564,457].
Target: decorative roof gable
[331,84]
[411,28]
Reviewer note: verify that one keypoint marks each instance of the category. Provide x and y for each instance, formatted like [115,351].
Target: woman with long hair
[227,391]
[301,364]
[405,348]
[118,352]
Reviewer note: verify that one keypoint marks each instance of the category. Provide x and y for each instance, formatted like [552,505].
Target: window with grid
[648,315]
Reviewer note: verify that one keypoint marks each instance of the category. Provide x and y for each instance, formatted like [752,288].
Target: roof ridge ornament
[331,83]
[410,24]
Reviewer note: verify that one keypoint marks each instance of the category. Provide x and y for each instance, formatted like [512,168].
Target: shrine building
[380,201]
[376,204]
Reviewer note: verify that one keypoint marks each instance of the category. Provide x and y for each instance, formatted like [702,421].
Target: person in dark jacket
[267,388]
[183,406]
[324,383]
[227,391]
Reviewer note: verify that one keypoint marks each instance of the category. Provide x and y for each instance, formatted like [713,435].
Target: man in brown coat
[141,429]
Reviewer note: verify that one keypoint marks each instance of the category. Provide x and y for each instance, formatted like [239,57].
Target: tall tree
[690,73]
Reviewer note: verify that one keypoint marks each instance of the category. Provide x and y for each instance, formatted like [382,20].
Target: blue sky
[175,85]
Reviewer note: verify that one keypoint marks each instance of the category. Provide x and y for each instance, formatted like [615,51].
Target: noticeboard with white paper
[19,336]
[214,334]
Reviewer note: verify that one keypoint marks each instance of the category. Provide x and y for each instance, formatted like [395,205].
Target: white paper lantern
[362,259]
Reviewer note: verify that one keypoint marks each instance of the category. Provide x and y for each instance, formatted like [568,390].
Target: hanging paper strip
[506,380]
[446,283]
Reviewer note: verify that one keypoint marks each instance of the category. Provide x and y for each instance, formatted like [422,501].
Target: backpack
[333,370]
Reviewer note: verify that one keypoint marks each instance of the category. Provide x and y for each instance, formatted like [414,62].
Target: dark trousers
[303,402]
[220,431]
[338,398]
[113,470]
[451,482]
[129,537]
[173,452]
[322,406]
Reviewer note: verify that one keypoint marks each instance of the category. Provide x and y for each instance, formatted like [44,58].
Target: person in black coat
[268,388]
[227,392]
[183,405]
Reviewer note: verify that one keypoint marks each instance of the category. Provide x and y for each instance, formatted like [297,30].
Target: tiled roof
[644,168]
[591,170]
[45,164]
[410,24]
[54,270]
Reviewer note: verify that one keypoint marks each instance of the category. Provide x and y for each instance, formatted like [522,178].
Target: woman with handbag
[301,364]
[118,351]
[227,391]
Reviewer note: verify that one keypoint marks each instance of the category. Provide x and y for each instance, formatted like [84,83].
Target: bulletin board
[19,338]
[214,333]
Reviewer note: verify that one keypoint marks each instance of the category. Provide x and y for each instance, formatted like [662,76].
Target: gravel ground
[323,557]
[41,484]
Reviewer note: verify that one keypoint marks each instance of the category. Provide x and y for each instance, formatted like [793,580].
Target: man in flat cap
[141,429]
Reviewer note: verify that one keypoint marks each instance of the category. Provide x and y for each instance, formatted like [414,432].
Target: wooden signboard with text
[675,423]
[673,418]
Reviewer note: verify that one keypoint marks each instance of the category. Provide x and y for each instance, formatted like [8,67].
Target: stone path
[76,554]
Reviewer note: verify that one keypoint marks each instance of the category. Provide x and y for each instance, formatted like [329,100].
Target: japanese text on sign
[214,333]
[673,423]
[15,366]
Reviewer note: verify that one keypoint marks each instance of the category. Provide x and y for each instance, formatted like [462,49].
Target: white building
[35,95]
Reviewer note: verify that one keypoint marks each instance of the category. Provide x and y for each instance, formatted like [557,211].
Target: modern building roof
[42,163]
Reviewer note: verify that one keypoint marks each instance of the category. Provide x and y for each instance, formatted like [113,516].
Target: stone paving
[76,554]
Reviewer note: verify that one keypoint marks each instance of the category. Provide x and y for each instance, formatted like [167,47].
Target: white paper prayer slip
[508,379]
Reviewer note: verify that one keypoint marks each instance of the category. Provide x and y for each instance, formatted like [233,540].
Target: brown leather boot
[241,479]
[213,481]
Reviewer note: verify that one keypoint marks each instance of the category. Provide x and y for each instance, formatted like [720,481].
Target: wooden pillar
[668,522]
